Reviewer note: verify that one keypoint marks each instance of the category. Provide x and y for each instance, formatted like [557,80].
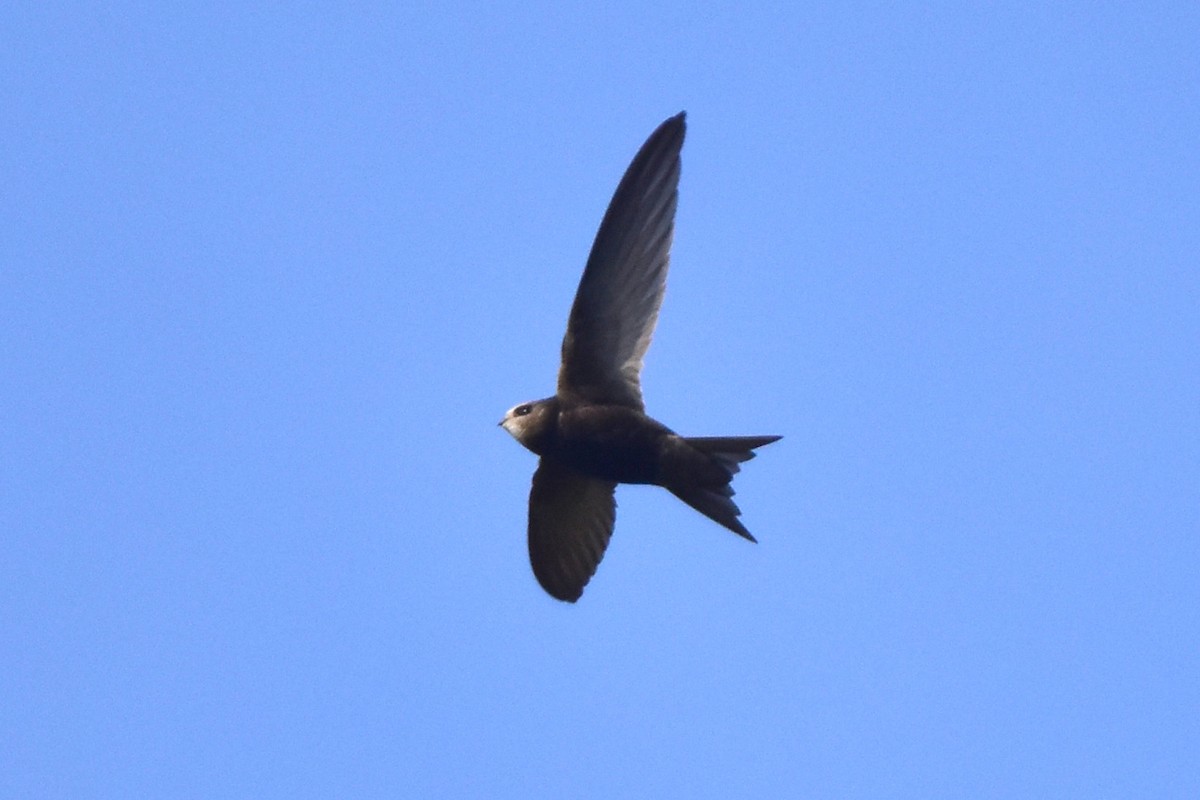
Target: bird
[593,433]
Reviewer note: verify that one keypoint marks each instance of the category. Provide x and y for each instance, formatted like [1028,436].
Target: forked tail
[711,493]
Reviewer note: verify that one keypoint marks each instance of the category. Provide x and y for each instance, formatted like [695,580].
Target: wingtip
[677,122]
[559,591]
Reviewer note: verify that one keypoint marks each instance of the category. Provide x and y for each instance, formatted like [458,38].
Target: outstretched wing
[616,305]
[570,522]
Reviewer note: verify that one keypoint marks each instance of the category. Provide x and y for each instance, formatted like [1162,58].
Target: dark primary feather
[616,305]
[570,522]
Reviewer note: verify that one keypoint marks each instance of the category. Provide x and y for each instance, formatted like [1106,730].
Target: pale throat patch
[515,425]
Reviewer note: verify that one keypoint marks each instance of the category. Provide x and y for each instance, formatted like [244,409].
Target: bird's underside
[593,433]
[571,513]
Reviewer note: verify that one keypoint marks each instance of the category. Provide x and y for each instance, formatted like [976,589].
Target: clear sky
[269,277]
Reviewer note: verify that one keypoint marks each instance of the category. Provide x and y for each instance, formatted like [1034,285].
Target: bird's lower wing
[570,522]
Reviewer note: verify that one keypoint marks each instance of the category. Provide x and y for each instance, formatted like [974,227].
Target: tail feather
[730,451]
[712,499]
[714,504]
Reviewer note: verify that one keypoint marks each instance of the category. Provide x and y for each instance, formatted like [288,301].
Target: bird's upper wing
[570,522]
[616,305]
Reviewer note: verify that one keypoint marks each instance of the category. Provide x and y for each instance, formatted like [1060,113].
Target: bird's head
[532,423]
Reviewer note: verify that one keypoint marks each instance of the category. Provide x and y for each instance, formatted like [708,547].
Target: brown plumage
[594,433]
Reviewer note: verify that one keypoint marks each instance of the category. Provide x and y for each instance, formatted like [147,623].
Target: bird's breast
[612,443]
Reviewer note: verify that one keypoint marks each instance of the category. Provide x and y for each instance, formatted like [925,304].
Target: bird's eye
[521,411]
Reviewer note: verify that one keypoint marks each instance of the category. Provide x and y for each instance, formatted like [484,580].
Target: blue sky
[269,277]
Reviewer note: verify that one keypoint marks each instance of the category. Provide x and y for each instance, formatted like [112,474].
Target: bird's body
[594,432]
[611,442]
